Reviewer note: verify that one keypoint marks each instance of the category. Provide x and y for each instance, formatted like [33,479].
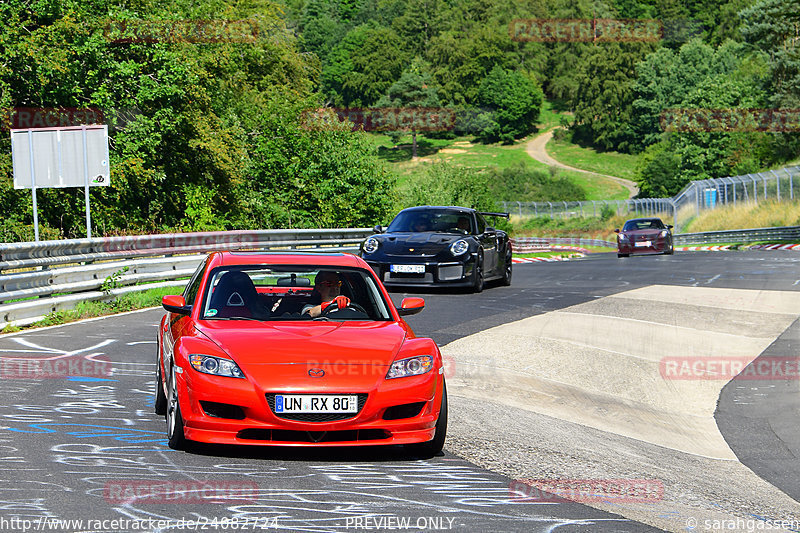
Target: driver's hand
[341,303]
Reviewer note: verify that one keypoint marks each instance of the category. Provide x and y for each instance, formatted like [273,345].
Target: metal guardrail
[781,234]
[100,269]
[543,244]
[786,233]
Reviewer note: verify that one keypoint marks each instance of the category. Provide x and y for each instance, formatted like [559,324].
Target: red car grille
[315,417]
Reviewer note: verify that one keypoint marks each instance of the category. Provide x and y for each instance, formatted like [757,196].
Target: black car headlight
[622,237]
[413,366]
[664,233]
[370,246]
[459,247]
[217,366]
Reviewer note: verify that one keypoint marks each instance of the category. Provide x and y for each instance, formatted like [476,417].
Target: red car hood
[317,342]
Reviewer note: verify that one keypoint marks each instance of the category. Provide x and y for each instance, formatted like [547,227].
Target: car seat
[235,296]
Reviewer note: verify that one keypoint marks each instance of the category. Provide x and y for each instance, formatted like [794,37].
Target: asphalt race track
[90,449]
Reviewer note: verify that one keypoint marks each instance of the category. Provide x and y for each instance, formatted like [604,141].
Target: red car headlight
[208,364]
[413,366]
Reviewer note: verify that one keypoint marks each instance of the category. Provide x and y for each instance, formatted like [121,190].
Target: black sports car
[443,246]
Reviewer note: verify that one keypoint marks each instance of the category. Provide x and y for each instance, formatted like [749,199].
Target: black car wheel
[671,249]
[623,255]
[160,405]
[507,271]
[435,446]
[177,440]
[478,281]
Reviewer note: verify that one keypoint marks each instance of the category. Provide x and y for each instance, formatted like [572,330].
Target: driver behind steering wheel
[326,290]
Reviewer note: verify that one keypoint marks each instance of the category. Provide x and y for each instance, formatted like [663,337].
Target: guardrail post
[778,181]
[551,209]
[594,209]
[566,207]
[791,188]
[674,215]
[697,201]
[519,208]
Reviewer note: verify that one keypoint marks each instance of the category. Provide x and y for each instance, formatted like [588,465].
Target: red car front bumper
[257,424]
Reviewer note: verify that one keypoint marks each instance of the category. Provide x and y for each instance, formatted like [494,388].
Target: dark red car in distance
[644,236]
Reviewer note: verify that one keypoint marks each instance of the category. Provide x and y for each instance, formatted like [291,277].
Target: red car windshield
[262,292]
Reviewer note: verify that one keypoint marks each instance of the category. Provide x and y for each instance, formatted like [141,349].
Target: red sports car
[644,236]
[252,353]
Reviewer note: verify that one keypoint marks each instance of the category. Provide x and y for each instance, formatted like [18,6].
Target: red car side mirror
[174,303]
[411,306]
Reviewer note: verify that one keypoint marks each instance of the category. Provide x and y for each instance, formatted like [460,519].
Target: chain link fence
[697,196]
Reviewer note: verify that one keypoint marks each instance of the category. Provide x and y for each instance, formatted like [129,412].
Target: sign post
[61,157]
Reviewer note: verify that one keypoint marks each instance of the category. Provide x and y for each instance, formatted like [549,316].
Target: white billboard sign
[58,157]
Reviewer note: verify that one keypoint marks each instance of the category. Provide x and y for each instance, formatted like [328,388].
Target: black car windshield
[270,292]
[437,220]
[633,225]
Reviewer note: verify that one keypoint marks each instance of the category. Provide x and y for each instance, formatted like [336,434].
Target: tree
[658,172]
[513,101]
[774,27]
[603,102]
[412,91]
[665,78]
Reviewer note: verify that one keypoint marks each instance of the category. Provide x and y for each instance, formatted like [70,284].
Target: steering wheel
[335,307]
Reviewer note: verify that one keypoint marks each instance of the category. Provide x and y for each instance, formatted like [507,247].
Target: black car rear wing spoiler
[504,215]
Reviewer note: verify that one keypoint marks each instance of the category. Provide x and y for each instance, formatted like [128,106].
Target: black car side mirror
[616,230]
[669,226]
[378,229]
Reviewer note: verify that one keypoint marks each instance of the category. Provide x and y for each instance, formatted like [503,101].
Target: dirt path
[537,149]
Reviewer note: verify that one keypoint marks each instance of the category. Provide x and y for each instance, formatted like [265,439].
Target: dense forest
[214,132]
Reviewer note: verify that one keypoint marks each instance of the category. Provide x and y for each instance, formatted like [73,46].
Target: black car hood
[425,243]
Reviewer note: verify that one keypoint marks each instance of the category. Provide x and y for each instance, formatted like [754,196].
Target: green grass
[610,163]
[83,310]
[595,187]
[549,117]
[765,214]
[462,151]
